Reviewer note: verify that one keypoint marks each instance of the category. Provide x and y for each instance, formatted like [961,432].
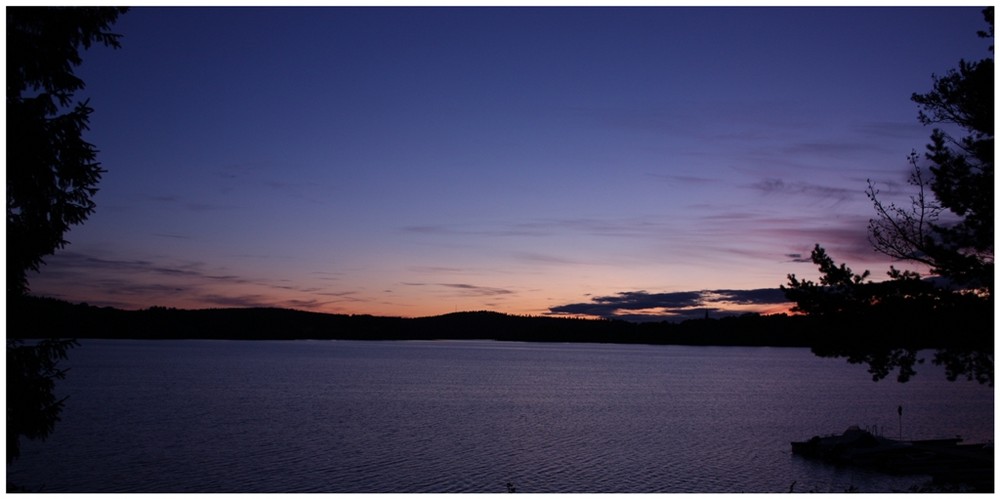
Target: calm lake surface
[471,416]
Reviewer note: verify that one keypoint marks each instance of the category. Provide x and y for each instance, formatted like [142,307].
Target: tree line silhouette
[935,330]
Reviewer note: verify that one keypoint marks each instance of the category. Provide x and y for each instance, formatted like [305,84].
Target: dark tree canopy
[948,228]
[886,324]
[952,231]
[52,172]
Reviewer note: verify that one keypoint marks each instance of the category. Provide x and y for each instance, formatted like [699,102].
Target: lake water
[471,416]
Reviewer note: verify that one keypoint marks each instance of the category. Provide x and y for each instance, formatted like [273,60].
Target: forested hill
[45,318]
[48,317]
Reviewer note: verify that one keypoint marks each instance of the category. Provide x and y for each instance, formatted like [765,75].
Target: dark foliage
[52,175]
[32,408]
[948,228]
[958,246]
[52,172]
[885,324]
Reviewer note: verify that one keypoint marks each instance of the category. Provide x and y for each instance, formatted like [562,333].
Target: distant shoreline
[49,317]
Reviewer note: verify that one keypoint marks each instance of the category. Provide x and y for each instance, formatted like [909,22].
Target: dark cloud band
[644,306]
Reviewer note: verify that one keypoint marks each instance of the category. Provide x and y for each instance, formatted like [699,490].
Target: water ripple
[465,417]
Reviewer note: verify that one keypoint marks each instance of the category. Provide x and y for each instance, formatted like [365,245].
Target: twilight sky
[415,161]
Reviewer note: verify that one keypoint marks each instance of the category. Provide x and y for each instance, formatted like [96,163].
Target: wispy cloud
[474,290]
[139,283]
[436,270]
[834,149]
[464,289]
[775,186]
[892,129]
[173,236]
[517,230]
[845,238]
[610,227]
[194,205]
[724,232]
[544,259]
[684,179]
[165,198]
[798,258]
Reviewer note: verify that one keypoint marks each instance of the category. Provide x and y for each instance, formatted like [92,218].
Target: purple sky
[581,161]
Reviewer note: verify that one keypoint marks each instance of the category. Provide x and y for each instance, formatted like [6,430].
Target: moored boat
[944,459]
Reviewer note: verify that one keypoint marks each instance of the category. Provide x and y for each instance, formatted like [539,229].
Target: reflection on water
[344,416]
